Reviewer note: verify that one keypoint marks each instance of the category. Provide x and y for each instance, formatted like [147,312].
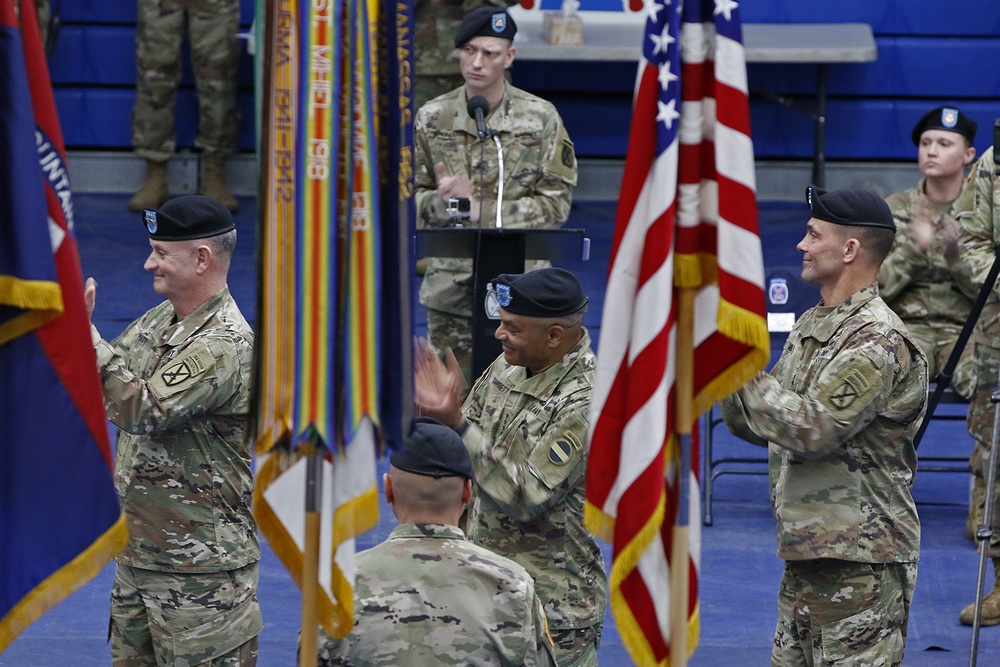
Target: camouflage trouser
[840,612]
[445,330]
[215,51]
[938,346]
[980,424]
[577,647]
[184,620]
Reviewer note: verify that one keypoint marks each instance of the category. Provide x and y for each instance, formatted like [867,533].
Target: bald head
[425,499]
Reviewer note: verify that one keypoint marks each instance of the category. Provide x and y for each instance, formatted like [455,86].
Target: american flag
[686,226]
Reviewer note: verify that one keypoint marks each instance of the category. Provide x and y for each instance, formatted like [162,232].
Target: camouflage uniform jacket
[924,286]
[978,211]
[428,596]
[840,409]
[179,394]
[528,440]
[539,174]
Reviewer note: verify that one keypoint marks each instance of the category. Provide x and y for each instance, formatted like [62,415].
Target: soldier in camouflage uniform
[436,22]
[980,233]
[428,596]
[923,279]
[215,52]
[838,414]
[525,425]
[539,169]
[177,385]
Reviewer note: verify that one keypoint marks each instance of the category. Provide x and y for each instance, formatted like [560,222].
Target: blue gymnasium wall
[929,52]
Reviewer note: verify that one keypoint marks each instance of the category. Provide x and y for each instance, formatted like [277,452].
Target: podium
[494,251]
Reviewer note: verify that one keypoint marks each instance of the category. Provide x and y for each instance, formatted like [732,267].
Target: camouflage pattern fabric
[179,393]
[428,596]
[932,294]
[184,620]
[840,410]
[455,331]
[539,174]
[215,53]
[980,233]
[833,612]
[436,66]
[528,440]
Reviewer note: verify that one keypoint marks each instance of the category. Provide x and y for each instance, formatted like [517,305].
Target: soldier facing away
[838,414]
[177,385]
[428,596]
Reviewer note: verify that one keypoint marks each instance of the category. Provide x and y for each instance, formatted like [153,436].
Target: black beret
[485,22]
[858,208]
[541,293]
[945,118]
[188,217]
[433,450]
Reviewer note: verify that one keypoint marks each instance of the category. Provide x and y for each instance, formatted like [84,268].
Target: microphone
[478,108]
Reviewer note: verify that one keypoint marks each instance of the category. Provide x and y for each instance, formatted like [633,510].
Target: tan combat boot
[991,603]
[153,191]
[976,501]
[213,181]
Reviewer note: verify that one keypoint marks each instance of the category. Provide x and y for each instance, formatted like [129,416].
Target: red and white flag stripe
[686,218]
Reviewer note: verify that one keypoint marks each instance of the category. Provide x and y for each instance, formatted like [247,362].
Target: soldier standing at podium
[457,170]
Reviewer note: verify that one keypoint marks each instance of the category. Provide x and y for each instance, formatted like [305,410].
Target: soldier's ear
[387,484]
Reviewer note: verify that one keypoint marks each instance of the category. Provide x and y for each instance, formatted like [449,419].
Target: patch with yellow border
[564,449]
[180,373]
[851,389]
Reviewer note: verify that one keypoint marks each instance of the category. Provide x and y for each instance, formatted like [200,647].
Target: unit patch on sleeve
[184,370]
[850,391]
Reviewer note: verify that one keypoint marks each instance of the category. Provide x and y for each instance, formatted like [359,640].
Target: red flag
[686,219]
[60,522]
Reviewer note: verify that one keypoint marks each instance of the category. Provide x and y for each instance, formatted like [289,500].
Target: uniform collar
[827,319]
[424,530]
[180,331]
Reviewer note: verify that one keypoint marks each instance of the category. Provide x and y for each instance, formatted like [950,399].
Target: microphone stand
[496,140]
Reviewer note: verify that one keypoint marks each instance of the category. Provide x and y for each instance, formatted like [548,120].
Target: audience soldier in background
[177,385]
[453,164]
[211,27]
[427,595]
[838,413]
[923,279]
[525,425]
[980,234]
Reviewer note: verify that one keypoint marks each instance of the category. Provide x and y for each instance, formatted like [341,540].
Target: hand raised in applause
[438,385]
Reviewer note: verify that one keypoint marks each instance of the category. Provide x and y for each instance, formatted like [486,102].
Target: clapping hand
[438,385]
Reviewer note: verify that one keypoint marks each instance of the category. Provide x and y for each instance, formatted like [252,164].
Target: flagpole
[310,559]
[679,556]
